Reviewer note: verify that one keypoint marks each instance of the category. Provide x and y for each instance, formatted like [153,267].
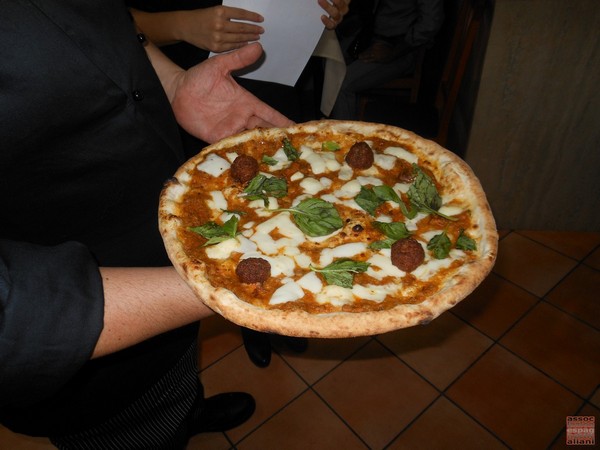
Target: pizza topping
[316,217]
[330,146]
[393,231]
[335,236]
[262,186]
[440,245]
[290,151]
[360,156]
[423,194]
[341,272]
[253,270]
[407,254]
[244,168]
[216,233]
[464,242]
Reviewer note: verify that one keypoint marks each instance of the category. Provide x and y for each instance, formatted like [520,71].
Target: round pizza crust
[455,175]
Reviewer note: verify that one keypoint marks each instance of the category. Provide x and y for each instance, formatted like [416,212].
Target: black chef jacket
[87,138]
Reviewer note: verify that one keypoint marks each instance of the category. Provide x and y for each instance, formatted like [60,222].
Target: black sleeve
[51,314]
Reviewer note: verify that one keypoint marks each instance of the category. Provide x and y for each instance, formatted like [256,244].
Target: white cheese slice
[214,165]
[296,176]
[217,200]
[289,292]
[311,282]
[292,236]
[342,251]
[381,266]
[222,250]
[366,181]
[386,162]
[311,186]
[374,292]
[401,153]
[336,295]
[348,190]
[231,156]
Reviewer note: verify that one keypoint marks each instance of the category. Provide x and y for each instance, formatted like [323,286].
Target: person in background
[98,332]
[384,46]
[187,31]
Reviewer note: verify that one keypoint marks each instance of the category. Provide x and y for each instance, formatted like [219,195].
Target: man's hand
[210,105]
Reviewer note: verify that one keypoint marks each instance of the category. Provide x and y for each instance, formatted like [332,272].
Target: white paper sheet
[292,30]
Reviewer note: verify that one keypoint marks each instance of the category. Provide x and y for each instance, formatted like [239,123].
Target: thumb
[242,57]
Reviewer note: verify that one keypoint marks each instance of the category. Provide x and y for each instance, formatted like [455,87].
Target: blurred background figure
[381,41]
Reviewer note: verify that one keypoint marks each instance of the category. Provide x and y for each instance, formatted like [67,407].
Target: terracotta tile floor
[503,369]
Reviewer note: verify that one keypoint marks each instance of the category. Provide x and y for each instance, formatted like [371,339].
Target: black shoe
[258,347]
[222,412]
[296,344]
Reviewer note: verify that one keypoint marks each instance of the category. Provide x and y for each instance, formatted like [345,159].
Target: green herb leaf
[464,242]
[269,161]
[410,212]
[261,187]
[234,211]
[393,230]
[341,272]
[440,245]
[315,217]
[216,233]
[368,200]
[330,146]
[289,150]
[385,243]
[424,195]
[386,193]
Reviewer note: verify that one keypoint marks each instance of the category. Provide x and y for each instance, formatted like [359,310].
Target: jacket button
[138,95]
[141,37]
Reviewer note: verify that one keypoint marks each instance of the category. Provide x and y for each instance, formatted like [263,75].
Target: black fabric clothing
[87,139]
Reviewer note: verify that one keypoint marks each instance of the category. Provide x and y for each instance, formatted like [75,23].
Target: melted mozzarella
[375,292]
[222,250]
[289,292]
[401,153]
[348,190]
[311,282]
[381,266]
[342,251]
[217,201]
[336,295]
[292,236]
[311,186]
[386,162]
[319,162]
[214,165]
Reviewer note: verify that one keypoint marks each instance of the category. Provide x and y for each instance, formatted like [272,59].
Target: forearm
[140,303]
[168,72]
[160,27]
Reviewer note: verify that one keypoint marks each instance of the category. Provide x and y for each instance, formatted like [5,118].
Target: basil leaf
[289,150]
[269,161]
[423,194]
[330,146]
[393,230]
[440,245]
[216,233]
[315,217]
[261,187]
[341,272]
[464,242]
[385,243]
[408,213]
[386,193]
[368,200]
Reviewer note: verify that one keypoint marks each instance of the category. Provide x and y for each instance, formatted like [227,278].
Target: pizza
[328,229]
